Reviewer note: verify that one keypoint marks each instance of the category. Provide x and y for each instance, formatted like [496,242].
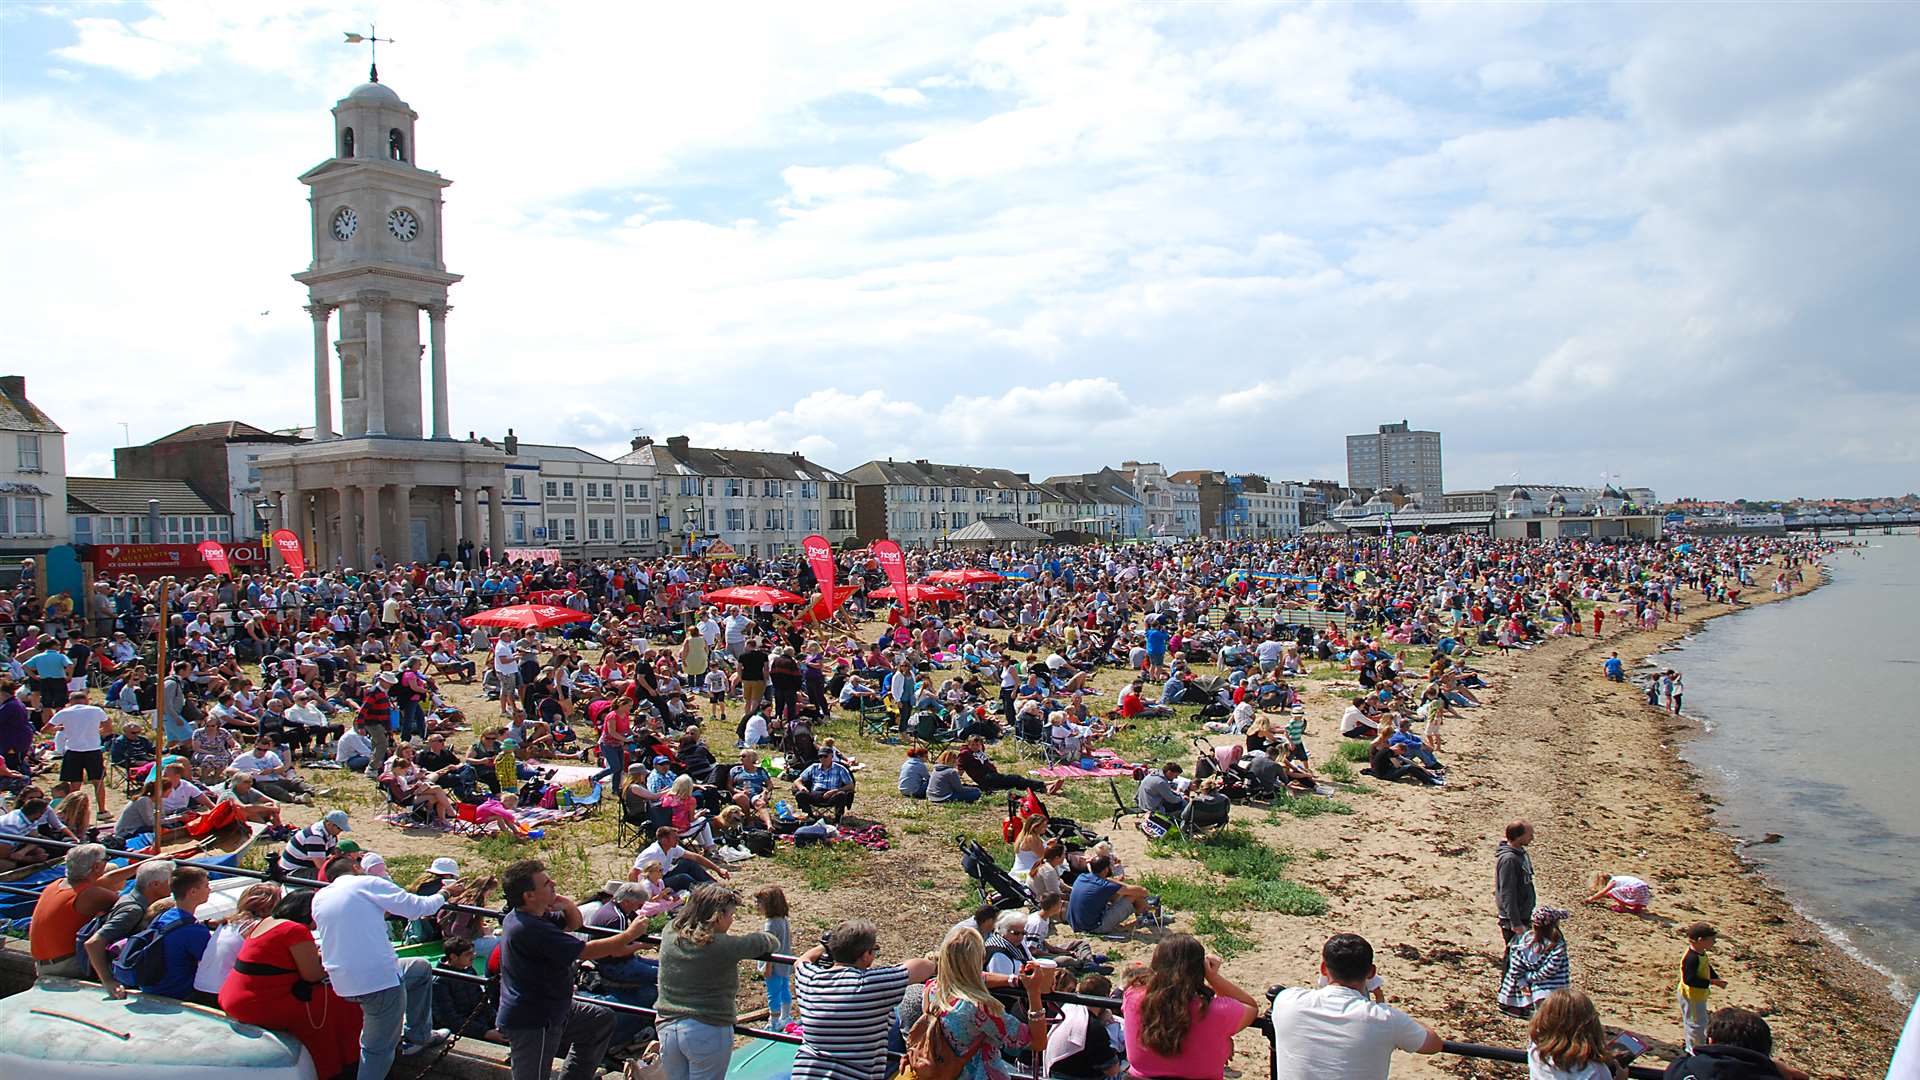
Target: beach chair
[877,721]
[1123,807]
[590,801]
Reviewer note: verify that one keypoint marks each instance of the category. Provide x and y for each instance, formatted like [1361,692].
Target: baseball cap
[372,863]
[662,760]
[445,867]
[346,847]
[338,819]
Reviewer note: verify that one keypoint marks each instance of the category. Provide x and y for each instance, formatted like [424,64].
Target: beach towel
[1105,763]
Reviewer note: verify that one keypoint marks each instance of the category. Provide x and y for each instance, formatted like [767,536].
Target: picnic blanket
[1106,763]
[535,818]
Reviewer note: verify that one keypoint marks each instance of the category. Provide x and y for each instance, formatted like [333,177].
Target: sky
[1669,244]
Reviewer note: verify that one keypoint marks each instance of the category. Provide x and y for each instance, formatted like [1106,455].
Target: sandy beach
[1411,868]
[1596,771]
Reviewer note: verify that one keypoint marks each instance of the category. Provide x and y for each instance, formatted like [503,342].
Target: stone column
[470,517]
[343,536]
[322,374]
[402,524]
[293,515]
[373,365]
[370,526]
[496,523]
[449,530]
[437,334]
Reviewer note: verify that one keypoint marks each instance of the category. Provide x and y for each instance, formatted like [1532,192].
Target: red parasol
[752,596]
[527,616]
[917,593]
[967,576]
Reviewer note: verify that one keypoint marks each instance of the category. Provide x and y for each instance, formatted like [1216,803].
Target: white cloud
[112,44]
[901,95]
[813,184]
[1217,236]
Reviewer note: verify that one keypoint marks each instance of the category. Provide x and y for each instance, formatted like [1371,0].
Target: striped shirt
[1297,729]
[848,1011]
[306,850]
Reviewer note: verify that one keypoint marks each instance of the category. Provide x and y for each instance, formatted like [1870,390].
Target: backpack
[758,841]
[143,962]
[930,1054]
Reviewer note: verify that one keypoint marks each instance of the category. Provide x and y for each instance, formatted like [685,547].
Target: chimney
[642,440]
[512,444]
[795,455]
[678,444]
[14,386]
[922,462]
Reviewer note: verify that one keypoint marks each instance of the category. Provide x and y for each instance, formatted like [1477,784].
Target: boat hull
[163,1039]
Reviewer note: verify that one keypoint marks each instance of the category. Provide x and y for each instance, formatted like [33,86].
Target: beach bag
[758,841]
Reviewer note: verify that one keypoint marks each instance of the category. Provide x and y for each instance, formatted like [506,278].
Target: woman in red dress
[278,953]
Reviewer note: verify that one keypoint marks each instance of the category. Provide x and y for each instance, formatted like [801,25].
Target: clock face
[345,222]
[403,225]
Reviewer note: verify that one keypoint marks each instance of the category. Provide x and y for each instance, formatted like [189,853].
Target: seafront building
[921,503]
[1395,457]
[578,503]
[33,474]
[756,502]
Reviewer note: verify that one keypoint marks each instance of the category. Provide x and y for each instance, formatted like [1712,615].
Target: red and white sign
[545,555]
[214,554]
[170,558]
[820,558]
[893,563]
[287,543]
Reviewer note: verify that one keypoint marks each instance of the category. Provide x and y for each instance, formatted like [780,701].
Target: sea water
[1811,729]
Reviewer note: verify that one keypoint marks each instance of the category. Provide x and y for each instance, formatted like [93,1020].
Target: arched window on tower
[396,145]
[346,142]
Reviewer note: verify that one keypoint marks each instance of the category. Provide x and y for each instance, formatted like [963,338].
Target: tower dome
[375,93]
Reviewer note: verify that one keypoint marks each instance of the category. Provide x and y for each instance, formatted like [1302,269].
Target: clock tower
[383,486]
[377,260]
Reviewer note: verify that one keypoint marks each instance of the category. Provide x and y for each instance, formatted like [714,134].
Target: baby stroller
[992,881]
[1257,779]
[1026,804]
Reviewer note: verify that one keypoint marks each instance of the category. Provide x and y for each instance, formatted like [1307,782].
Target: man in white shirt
[1336,1032]
[270,773]
[354,751]
[506,669]
[679,868]
[349,919]
[81,726]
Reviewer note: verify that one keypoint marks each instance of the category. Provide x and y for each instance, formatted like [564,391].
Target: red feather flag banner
[820,558]
[288,545]
[893,562]
[215,555]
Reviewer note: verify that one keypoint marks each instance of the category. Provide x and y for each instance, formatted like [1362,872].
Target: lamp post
[693,525]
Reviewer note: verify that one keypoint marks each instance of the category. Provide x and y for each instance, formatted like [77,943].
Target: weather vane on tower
[373,49]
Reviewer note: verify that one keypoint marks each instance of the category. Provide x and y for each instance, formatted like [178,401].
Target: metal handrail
[1461,1049]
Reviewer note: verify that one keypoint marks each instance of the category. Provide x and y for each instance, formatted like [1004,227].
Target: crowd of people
[679,702]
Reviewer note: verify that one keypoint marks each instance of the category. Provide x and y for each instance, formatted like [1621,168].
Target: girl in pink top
[1181,1013]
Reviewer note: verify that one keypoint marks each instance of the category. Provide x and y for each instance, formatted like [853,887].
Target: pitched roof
[113,495]
[744,464]
[1105,486]
[19,414]
[931,474]
[224,431]
[996,529]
